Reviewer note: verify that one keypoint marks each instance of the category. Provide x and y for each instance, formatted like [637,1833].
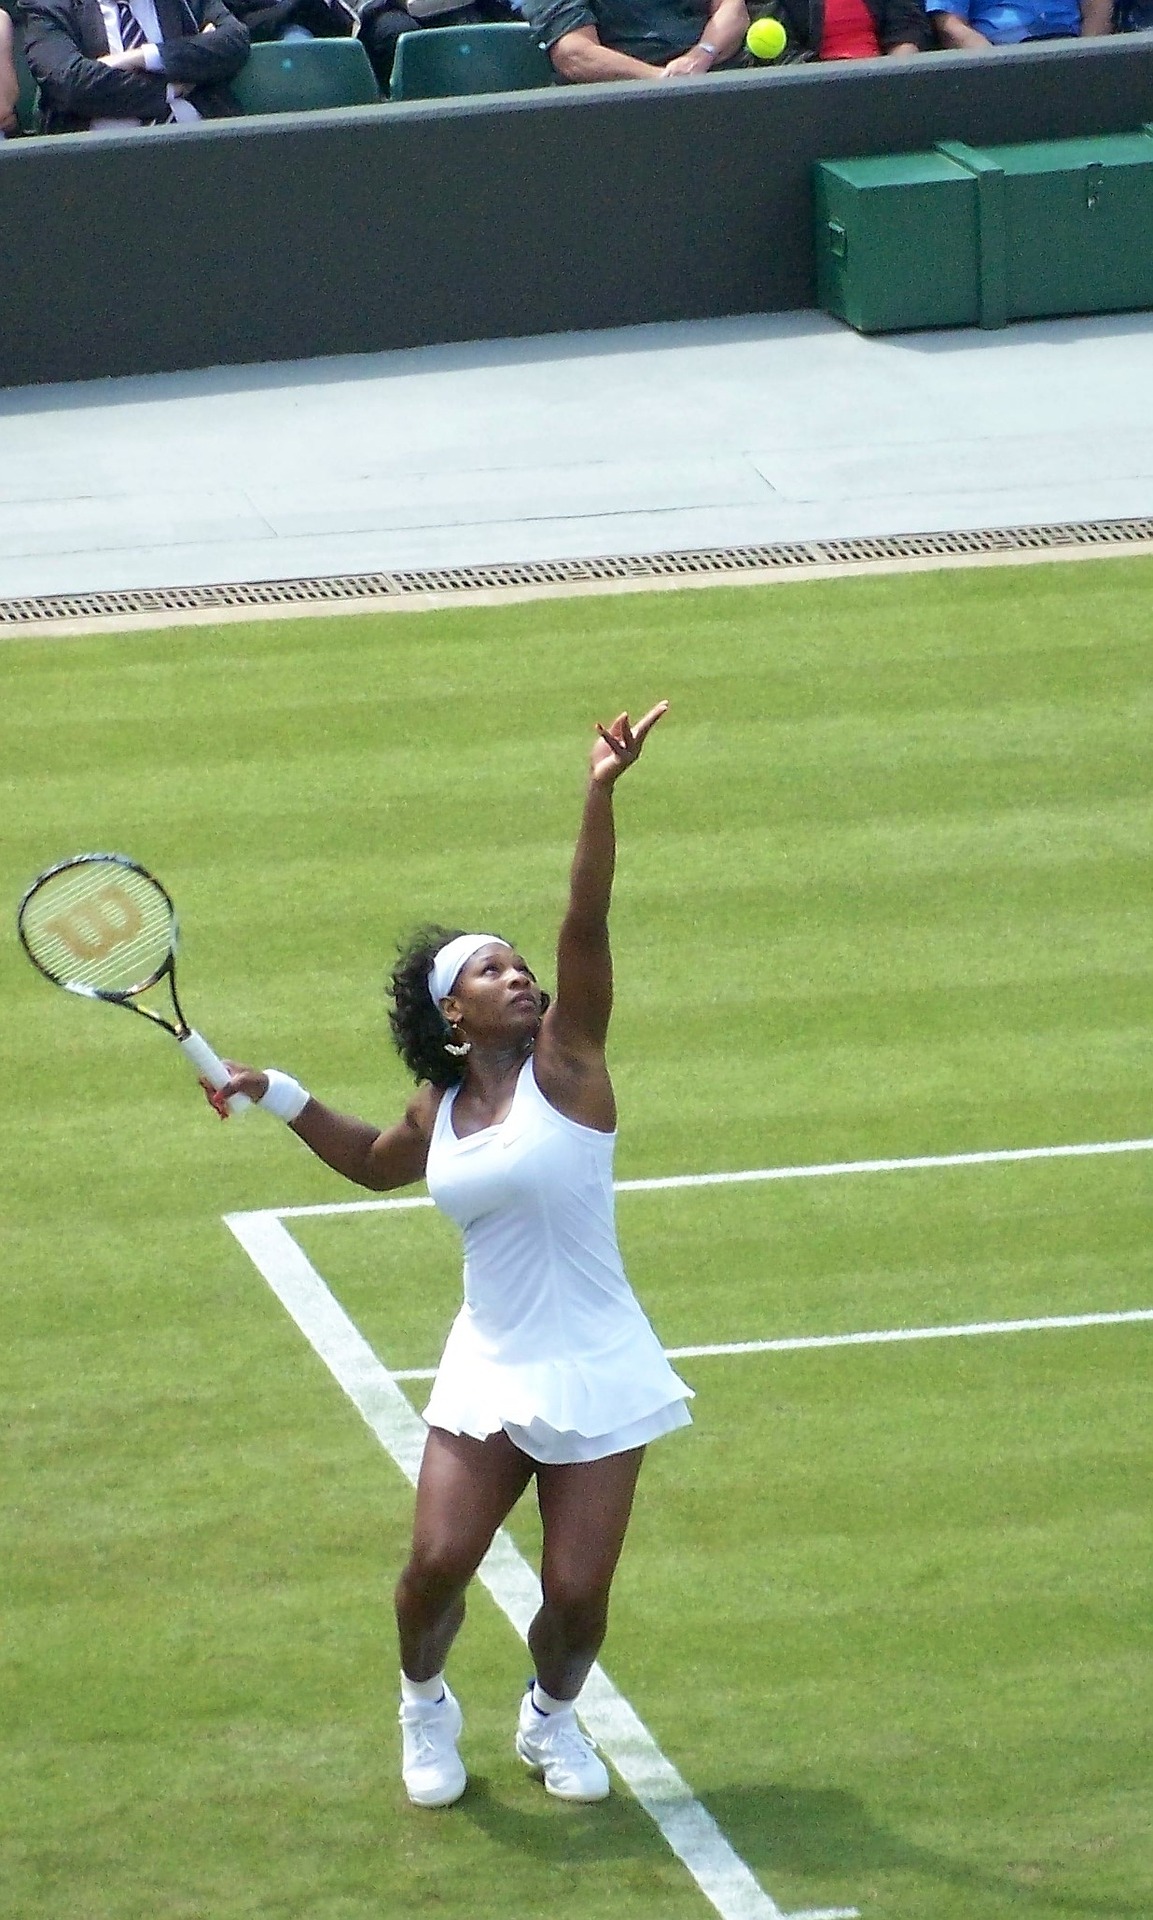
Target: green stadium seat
[297,76]
[437,62]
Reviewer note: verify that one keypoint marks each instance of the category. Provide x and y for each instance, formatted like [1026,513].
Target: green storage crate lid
[892,170]
[1064,156]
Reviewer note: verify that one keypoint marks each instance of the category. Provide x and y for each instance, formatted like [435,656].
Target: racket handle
[212,1069]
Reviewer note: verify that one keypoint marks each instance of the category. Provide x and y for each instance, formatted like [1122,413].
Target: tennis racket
[102,926]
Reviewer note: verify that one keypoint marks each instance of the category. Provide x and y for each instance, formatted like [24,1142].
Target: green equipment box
[960,237]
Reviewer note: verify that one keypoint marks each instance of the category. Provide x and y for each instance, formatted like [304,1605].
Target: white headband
[446,964]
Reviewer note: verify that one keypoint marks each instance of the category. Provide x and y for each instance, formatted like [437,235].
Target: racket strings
[99,927]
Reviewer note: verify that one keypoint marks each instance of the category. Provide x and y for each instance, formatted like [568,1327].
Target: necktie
[132,34]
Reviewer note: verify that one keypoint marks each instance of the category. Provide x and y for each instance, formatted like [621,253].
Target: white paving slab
[762,428]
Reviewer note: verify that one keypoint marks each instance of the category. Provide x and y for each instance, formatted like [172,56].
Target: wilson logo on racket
[106,921]
[101,925]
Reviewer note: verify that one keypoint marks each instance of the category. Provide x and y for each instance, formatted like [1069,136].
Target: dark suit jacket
[64,39]
[325,19]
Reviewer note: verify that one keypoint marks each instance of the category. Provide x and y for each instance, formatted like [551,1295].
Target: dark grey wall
[394,226]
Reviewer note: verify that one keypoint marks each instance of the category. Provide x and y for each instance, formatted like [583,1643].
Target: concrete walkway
[692,434]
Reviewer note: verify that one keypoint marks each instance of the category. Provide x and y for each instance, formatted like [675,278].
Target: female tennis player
[551,1371]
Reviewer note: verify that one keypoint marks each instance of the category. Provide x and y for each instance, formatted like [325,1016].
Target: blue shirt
[1006,22]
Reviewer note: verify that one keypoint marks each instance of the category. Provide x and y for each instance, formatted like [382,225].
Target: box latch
[1094,175]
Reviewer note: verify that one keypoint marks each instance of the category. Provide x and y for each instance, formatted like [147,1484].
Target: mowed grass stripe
[881,884]
[949,1650]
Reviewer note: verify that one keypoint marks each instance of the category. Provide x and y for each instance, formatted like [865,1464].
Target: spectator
[383,21]
[297,19]
[639,39]
[851,29]
[970,25]
[132,63]
[9,84]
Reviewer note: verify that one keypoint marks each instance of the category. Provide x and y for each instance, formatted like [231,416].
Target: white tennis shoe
[432,1769]
[560,1753]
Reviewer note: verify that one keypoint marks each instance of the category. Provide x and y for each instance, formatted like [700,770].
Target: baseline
[687,1827]
[822,1171]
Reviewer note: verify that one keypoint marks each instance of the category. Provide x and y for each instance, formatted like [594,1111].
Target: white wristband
[286,1098]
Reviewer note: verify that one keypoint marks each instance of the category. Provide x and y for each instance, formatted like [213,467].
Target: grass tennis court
[883,891]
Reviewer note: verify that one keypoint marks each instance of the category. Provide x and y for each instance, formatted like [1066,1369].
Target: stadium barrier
[350,231]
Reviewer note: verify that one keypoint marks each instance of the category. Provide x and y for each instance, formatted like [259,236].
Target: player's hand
[241,1080]
[619,746]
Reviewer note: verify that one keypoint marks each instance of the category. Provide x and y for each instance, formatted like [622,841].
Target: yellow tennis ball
[766,39]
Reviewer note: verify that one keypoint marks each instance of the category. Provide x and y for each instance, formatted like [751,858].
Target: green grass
[883,891]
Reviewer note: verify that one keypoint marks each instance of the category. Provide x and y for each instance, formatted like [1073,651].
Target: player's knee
[579,1605]
[435,1574]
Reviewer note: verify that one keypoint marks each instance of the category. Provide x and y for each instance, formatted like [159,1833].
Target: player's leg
[585,1512]
[466,1488]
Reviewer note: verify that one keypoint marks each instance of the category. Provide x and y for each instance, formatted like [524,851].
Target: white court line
[871,1339]
[906,1333]
[819,1172]
[691,1832]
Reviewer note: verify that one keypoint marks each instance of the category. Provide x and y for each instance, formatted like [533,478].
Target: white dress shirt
[145,13]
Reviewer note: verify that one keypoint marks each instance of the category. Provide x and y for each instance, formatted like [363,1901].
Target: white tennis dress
[551,1343]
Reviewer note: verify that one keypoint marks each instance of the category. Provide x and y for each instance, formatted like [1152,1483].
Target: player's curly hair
[419,1029]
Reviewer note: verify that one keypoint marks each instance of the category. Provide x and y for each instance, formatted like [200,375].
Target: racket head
[99,924]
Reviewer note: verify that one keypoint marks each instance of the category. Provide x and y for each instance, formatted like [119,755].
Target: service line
[688,1828]
[727,1348]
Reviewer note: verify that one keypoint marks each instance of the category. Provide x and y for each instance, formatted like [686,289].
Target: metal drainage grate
[788,555]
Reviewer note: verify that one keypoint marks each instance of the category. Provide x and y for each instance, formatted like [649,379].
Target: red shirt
[849,32]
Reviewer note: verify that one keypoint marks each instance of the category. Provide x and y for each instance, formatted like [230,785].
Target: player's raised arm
[369,1156]
[579,1019]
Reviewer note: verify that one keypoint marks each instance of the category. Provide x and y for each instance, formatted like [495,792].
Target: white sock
[413,1692]
[544,1702]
